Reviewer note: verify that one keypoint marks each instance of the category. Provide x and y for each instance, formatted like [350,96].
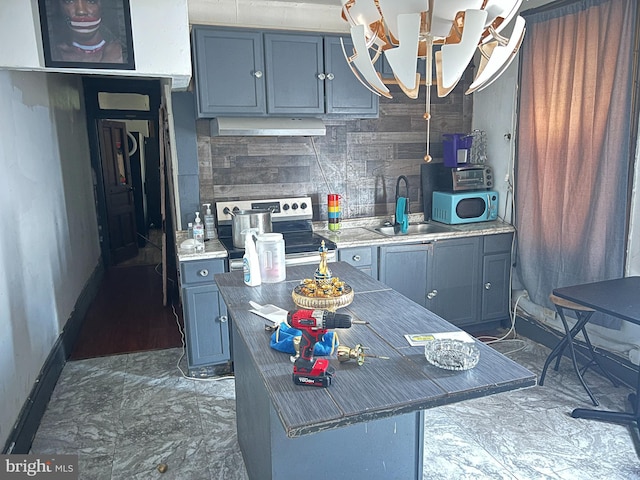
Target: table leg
[567,341]
[624,418]
[556,352]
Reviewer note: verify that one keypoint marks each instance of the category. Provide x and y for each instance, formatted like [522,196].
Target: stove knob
[294,206]
[303,206]
[285,207]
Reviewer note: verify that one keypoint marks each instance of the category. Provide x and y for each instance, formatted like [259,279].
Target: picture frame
[94,34]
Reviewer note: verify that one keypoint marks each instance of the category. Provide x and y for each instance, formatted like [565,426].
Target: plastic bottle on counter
[190,230]
[250,264]
[270,248]
[198,233]
[209,223]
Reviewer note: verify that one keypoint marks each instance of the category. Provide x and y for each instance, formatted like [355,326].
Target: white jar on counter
[271,257]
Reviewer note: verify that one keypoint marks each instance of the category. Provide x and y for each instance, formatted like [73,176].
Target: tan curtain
[573,145]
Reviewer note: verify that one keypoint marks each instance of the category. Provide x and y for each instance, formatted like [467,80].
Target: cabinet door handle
[204,272]
[257,74]
[487,286]
[223,319]
[321,76]
[432,294]
[356,258]
[330,76]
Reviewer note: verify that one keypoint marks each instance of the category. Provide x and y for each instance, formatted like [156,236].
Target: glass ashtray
[452,354]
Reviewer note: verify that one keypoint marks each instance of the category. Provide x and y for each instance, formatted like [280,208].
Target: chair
[583,315]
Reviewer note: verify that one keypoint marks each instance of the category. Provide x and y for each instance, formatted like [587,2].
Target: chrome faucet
[406,206]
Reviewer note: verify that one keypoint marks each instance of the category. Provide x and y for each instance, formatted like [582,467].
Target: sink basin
[414,229]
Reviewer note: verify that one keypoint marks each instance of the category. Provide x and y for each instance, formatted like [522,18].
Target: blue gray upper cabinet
[344,92]
[247,72]
[294,66]
[229,67]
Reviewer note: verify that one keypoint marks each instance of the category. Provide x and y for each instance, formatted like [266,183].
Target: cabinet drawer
[358,257]
[200,271]
[498,243]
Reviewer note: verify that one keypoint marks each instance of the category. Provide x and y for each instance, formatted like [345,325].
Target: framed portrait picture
[87,34]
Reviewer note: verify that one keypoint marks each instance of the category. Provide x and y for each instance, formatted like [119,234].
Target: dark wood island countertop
[380,388]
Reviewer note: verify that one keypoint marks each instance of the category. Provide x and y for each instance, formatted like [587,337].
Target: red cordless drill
[314,324]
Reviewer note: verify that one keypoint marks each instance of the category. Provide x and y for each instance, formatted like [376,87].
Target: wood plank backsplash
[359,159]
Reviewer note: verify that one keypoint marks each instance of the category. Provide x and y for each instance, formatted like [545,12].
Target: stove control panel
[297,208]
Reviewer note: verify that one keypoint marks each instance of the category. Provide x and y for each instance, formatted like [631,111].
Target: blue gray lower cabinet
[464,280]
[369,422]
[205,316]
[363,258]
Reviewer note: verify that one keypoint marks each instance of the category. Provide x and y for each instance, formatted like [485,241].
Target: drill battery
[317,373]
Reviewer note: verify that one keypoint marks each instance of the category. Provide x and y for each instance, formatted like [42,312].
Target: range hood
[266,127]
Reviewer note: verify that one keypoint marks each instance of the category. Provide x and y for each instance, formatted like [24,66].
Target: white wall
[49,243]
[160,39]
[268,14]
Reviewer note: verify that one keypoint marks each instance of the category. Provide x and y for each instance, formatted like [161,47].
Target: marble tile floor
[123,415]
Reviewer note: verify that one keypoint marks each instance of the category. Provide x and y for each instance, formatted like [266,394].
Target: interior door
[118,189]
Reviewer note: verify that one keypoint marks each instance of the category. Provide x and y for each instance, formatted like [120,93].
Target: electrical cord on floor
[160,273]
[148,240]
[512,316]
[211,379]
[512,329]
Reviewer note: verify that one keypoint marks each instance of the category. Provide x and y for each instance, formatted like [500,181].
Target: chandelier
[405,30]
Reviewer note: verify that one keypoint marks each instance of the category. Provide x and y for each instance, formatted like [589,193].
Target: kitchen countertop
[212,249]
[360,233]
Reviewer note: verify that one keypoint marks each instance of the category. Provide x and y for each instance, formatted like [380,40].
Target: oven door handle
[293,259]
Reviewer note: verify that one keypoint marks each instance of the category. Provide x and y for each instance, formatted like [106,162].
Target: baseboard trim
[619,367]
[72,328]
[26,426]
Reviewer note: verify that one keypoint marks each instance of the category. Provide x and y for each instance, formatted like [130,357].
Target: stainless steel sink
[414,229]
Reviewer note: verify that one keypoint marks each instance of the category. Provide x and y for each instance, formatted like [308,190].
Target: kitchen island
[369,423]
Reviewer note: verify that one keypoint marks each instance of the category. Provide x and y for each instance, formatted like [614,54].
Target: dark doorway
[132,311]
[135,103]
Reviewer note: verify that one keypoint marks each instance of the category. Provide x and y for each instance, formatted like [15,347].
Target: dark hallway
[127,315]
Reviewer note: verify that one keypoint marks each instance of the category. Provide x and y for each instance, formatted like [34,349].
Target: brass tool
[357,353]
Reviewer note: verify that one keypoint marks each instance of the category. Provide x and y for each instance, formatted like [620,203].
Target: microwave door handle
[489,206]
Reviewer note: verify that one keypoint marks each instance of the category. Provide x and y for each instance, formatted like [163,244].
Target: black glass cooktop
[298,238]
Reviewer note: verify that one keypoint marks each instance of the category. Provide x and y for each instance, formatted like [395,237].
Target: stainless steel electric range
[290,216]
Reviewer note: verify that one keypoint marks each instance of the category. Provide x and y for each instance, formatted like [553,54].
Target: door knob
[321,76]
[487,286]
[204,272]
[257,74]
[356,258]
[330,76]
[432,294]
[223,319]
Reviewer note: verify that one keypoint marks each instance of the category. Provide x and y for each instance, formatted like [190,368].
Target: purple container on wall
[456,148]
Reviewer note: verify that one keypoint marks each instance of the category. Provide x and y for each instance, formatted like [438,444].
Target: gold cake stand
[323,291]
[303,299]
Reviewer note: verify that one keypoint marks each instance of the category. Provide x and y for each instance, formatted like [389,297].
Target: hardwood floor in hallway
[127,315]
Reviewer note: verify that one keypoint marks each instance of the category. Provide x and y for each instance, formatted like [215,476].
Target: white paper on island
[417,339]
